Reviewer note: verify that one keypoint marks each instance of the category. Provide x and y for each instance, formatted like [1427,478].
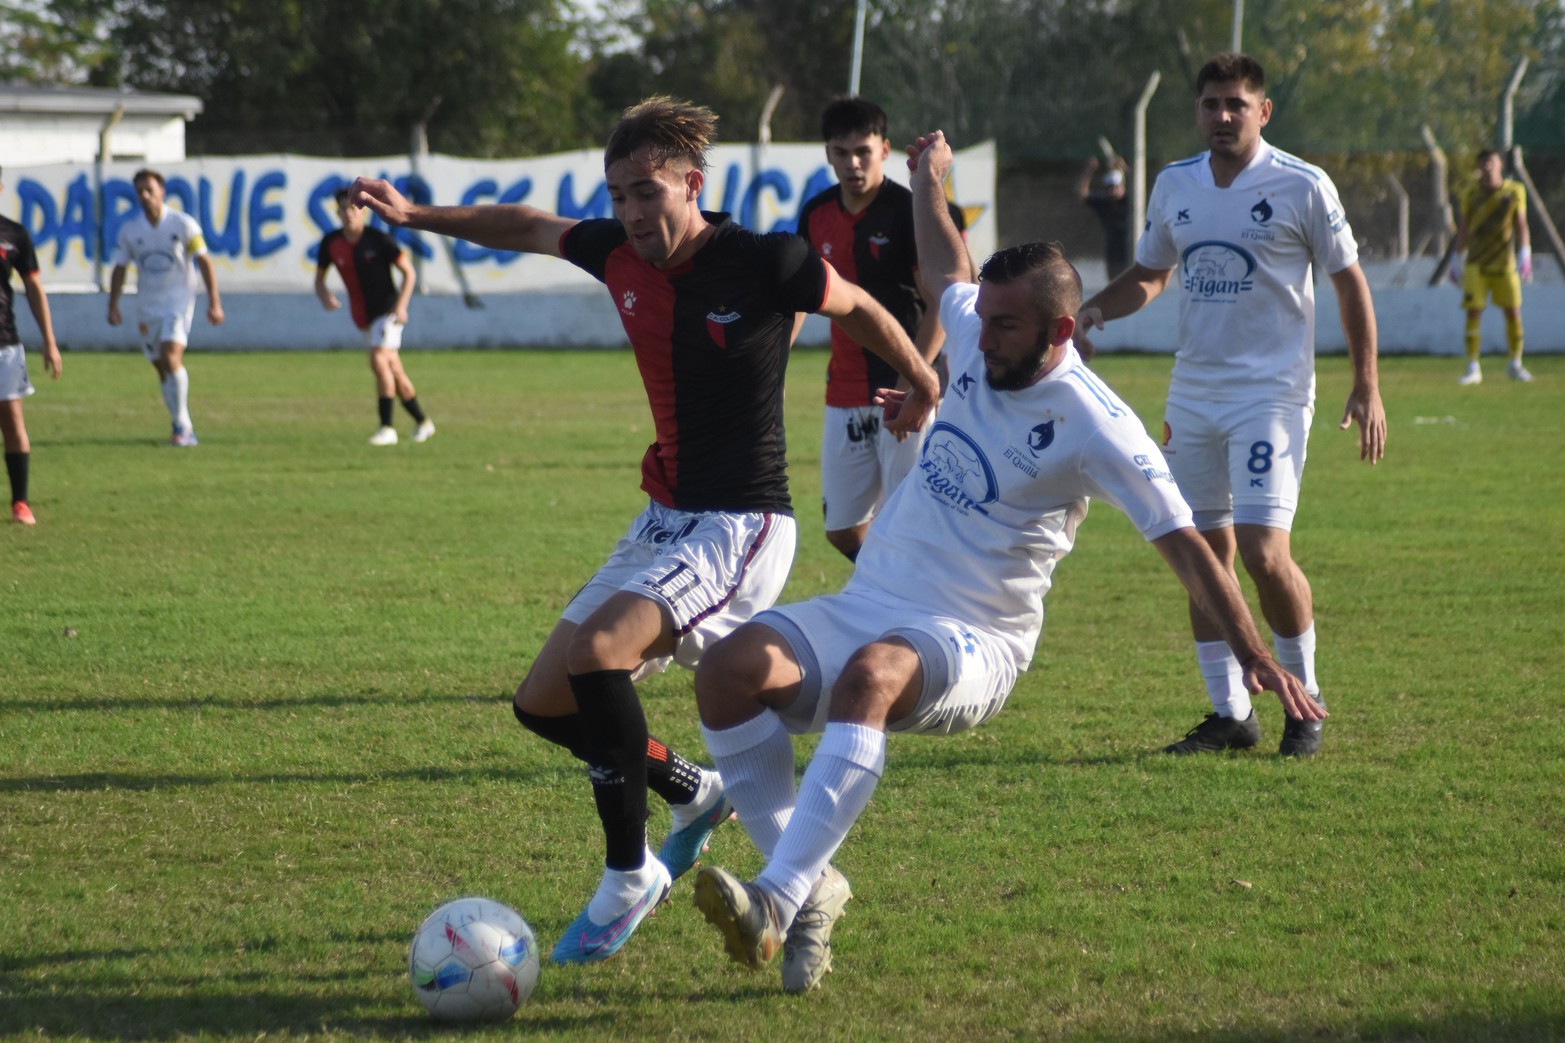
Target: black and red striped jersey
[874,249]
[16,255]
[365,267]
[711,339]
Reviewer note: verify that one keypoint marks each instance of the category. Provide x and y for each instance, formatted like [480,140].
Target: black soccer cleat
[1216,733]
[1301,738]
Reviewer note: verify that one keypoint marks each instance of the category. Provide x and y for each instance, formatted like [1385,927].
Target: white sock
[1297,656]
[170,392]
[1224,679]
[621,889]
[180,409]
[755,760]
[837,786]
[684,814]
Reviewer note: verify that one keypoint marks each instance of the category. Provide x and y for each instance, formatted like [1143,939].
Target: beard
[1021,373]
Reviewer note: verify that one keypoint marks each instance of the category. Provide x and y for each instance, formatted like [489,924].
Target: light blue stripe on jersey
[1186,162]
[1294,163]
[1099,390]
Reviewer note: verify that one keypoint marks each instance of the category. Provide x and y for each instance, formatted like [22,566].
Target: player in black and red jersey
[864,228]
[709,309]
[365,258]
[17,255]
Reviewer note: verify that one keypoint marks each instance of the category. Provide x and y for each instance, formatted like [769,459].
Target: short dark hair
[148,174]
[342,195]
[1056,284]
[850,114]
[1228,66]
[668,127]
[1483,154]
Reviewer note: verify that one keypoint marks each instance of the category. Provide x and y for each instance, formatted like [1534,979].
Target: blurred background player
[709,308]
[1108,200]
[1494,217]
[17,255]
[163,243]
[863,227]
[365,258]
[1244,223]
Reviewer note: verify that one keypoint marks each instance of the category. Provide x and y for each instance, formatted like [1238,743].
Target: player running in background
[709,309]
[945,607]
[163,243]
[365,258]
[1242,223]
[17,255]
[1494,217]
[863,227]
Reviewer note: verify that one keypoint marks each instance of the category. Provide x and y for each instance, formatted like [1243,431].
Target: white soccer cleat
[1518,371]
[1474,375]
[384,436]
[423,431]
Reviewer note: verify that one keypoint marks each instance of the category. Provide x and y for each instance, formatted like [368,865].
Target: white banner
[264,216]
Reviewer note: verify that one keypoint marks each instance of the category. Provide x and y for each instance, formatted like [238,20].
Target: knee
[869,688]
[729,681]
[847,541]
[1268,560]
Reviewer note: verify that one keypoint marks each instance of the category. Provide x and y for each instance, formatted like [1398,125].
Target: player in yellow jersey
[1494,218]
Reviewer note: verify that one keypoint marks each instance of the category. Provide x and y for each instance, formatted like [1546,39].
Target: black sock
[411,405]
[614,730]
[669,775]
[384,402]
[16,468]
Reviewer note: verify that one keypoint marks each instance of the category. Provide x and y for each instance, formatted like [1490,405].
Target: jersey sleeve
[122,255]
[799,273]
[195,241]
[1331,237]
[323,251]
[1123,466]
[25,261]
[588,244]
[1156,248]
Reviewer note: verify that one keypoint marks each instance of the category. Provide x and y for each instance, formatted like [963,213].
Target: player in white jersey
[162,244]
[946,601]
[1242,223]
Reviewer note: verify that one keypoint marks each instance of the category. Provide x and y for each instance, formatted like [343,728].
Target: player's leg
[390,333]
[385,390]
[1508,296]
[17,457]
[1197,450]
[175,377]
[850,475]
[1475,293]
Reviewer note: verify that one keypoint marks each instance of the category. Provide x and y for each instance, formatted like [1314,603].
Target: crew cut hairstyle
[1484,154]
[668,128]
[1231,65]
[148,174]
[1056,284]
[851,114]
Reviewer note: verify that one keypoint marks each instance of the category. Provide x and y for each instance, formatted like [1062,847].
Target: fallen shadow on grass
[109,702]
[95,781]
[1545,1025]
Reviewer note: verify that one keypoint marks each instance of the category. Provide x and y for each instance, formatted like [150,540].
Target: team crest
[876,242]
[1261,212]
[1041,437]
[717,325]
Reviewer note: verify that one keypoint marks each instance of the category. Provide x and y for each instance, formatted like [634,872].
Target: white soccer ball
[474,959]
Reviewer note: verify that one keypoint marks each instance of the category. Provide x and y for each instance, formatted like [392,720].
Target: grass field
[254,723]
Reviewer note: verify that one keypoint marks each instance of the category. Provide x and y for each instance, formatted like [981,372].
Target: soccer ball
[474,959]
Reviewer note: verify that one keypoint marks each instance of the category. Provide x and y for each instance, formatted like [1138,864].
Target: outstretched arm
[1217,595]
[500,226]
[942,256]
[1358,323]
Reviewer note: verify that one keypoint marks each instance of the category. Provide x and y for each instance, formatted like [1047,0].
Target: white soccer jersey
[977,527]
[1243,256]
[165,281]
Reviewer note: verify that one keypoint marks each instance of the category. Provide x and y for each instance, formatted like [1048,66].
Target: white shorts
[158,328]
[967,673]
[861,462]
[13,374]
[1238,462]
[711,570]
[384,332]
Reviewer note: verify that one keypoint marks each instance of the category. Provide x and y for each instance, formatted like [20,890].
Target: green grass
[254,723]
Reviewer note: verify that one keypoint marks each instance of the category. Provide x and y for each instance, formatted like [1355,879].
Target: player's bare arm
[323,292]
[1217,595]
[409,279]
[1127,293]
[942,256]
[862,318]
[116,287]
[38,301]
[1364,408]
[501,226]
[214,304]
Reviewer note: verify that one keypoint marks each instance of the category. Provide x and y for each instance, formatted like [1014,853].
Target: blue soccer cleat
[587,942]
[687,839]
